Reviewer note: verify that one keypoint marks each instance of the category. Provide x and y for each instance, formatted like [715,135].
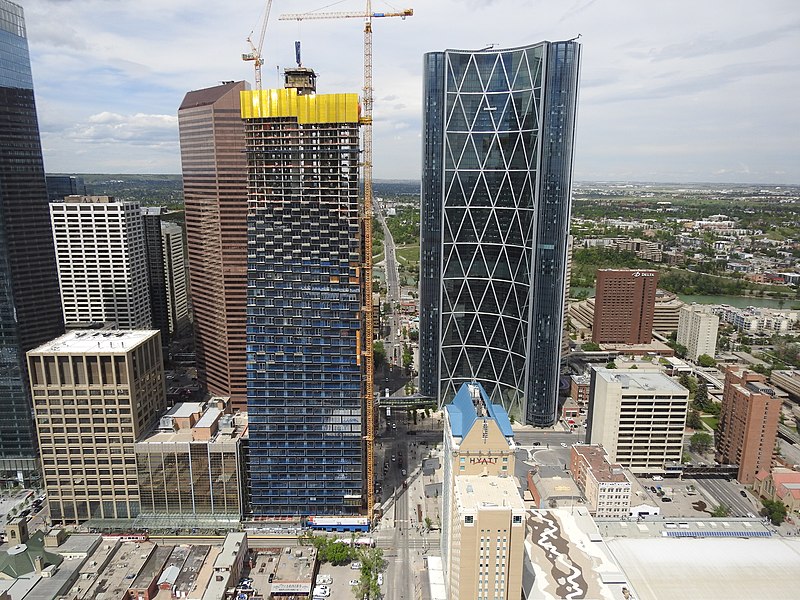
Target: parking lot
[699,497]
[340,578]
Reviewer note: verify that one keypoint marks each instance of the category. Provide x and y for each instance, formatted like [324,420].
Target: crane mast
[255,52]
[366,122]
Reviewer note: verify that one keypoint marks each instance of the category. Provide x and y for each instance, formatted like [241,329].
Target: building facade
[175,278]
[697,330]
[305,300]
[102,261]
[638,417]
[61,186]
[748,424]
[606,485]
[30,311]
[488,539]
[94,394]
[214,170]
[478,441]
[191,468]
[624,305]
[496,181]
[156,275]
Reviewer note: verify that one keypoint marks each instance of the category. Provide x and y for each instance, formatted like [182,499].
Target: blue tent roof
[463,415]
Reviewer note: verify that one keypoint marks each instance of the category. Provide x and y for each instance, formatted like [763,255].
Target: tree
[611,365]
[775,510]
[693,420]
[704,360]
[590,347]
[721,510]
[701,442]
[701,400]
[378,352]
[413,335]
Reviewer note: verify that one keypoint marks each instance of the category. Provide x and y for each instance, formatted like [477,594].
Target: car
[271,577]
[380,578]
[394,425]
[321,594]
[743,493]
[403,471]
[653,489]
[563,445]
[354,582]
[537,443]
[355,565]
[324,588]
[324,580]
[657,478]
[666,499]
[394,458]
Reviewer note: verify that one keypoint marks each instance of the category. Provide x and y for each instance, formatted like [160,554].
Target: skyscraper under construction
[305,294]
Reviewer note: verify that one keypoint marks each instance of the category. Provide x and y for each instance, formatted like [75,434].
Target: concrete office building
[605,485]
[102,261]
[30,311]
[697,330]
[638,416]
[748,424]
[94,394]
[191,469]
[496,181]
[488,539]
[305,301]
[215,195]
[478,441]
[624,304]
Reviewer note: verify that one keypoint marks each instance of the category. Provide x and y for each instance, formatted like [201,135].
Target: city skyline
[678,93]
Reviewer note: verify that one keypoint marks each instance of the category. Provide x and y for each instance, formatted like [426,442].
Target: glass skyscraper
[496,184]
[30,307]
[305,299]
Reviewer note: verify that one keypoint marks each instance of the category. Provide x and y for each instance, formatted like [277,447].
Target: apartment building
[638,416]
[748,424]
[697,330]
[94,394]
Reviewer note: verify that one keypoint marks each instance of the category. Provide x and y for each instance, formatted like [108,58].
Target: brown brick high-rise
[215,195]
[748,424]
[623,306]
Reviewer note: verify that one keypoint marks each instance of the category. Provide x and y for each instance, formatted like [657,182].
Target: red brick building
[624,306]
[748,424]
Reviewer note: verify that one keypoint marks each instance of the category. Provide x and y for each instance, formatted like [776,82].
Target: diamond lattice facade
[497,174]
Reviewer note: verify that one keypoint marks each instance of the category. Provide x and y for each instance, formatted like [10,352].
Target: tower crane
[255,52]
[366,121]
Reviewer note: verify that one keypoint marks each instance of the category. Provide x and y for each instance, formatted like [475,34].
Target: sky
[670,91]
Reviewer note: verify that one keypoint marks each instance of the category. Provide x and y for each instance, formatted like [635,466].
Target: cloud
[139,129]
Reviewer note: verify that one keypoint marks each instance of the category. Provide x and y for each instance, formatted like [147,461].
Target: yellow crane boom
[366,121]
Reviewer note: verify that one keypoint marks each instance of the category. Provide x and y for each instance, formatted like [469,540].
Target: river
[737,301]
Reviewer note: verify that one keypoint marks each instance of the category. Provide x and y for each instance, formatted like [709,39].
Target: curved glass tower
[497,175]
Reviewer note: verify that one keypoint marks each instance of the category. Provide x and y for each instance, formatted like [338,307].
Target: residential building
[579,388]
[488,539]
[102,261]
[30,311]
[781,485]
[156,275]
[697,330]
[191,468]
[94,394]
[638,416]
[496,183]
[758,320]
[478,441]
[624,306]
[305,304]
[748,424]
[61,186]
[215,196]
[606,486]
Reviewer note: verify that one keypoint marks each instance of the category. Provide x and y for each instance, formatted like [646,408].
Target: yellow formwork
[312,108]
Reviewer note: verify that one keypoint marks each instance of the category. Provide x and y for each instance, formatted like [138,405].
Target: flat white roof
[183,410]
[640,379]
[211,415]
[93,341]
[474,492]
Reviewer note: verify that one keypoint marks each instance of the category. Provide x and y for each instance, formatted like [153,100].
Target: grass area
[376,258]
[711,421]
[407,255]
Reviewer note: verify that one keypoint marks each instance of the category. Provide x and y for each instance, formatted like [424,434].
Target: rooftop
[601,468]
[190,572]
[295,571]
[639,379]
[463,411]
[474,492]
[95,342]
[153,567]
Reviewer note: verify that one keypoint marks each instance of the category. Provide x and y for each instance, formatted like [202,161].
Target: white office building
[697,330]
[102,263]
[638,417]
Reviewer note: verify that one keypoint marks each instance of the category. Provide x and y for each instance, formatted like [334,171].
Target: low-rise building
[579,388]
[606,486]
[780,484]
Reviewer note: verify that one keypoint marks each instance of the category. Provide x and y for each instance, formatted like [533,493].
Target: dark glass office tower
[305,366]
[30,306]
[497,175]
